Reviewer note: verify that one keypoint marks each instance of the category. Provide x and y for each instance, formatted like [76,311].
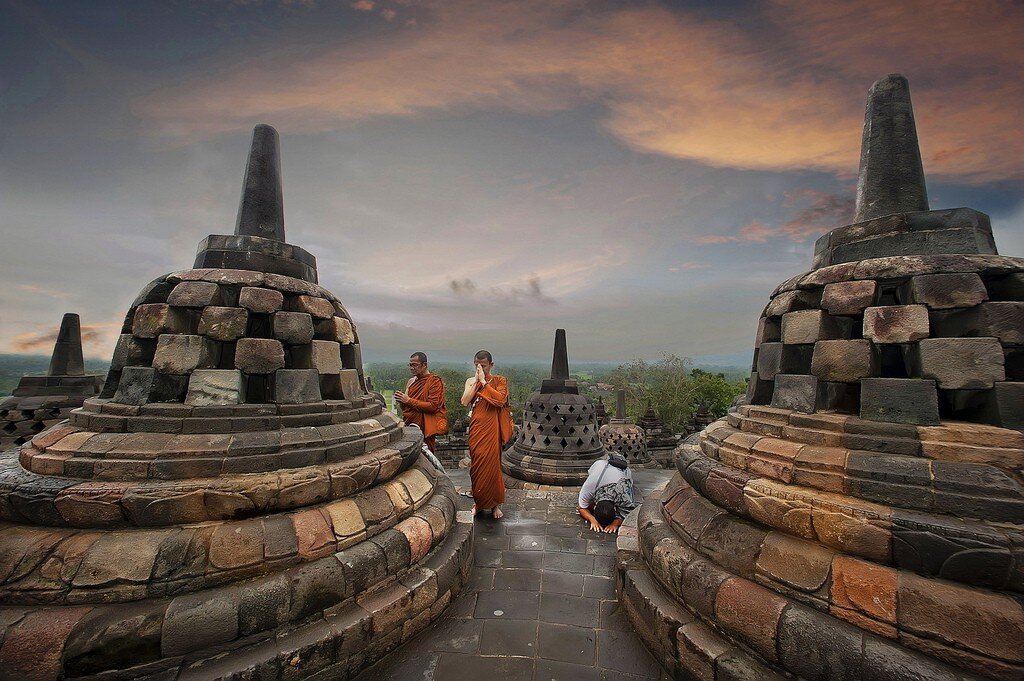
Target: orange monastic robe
[485,443]
[425,405]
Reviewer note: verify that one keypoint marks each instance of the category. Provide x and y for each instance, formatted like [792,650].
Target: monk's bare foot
[497,513]
[474,510]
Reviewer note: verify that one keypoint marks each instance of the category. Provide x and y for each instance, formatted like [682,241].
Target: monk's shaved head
[419,357]
[483,354]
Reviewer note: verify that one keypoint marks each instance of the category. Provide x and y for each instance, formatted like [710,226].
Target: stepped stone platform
[41,401]
[558,440]
[861,515]
[236,504]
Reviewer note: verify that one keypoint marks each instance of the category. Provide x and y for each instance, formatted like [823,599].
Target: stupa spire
[261,209]
[620,405]
[66,359]
[560,357]
[891,178]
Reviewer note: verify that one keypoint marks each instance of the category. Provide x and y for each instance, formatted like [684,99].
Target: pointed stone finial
[620,404]
[891,175]
[560,358]
[67,350]
[261,210]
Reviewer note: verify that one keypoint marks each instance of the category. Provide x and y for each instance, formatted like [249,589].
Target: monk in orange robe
[423,401]
[489,428]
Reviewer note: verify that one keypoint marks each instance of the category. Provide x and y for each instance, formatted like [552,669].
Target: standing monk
[423,401]
[489,428]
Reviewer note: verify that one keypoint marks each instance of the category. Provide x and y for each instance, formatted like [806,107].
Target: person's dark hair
[419,357]
[604,512]
[483,354]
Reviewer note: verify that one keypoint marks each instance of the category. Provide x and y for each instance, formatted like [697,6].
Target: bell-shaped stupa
[623,436]
[41,401]
[862,516]
[237,505]
[558,440]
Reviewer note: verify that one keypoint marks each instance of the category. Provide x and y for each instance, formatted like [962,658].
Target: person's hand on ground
[596,526]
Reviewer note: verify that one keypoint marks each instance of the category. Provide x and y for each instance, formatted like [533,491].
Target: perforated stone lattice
[567,427]
[627,439]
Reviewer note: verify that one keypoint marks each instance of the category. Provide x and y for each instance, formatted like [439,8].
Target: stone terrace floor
[541,605]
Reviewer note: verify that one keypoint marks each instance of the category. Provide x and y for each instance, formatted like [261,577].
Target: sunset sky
[477,173]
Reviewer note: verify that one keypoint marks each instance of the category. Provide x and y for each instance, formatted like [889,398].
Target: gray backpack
[619,493]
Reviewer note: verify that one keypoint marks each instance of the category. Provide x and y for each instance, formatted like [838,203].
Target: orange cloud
[43,340]
[821,213]
[672,82]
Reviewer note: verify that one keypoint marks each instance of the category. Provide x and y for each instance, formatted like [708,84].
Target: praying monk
[423,401]
[490,426]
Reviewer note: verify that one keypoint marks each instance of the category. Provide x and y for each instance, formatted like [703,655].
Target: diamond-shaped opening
[555,430]
[9,427]
[572,409]
[579,419]
[547,441]
[38,427]
[579,442]
[533,439]
[547,417]
[555,408]
[564,443]
[571,430]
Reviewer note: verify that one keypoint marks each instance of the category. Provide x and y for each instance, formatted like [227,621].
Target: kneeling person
[606,498]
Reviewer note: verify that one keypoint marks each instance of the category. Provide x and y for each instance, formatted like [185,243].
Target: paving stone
[566,643]
[565,609]
[292,328]
[509,637]
[260,300]
[896,323]
[183,354]
[223,323]
[522,559]
[899,400]
[947,291]
[517,579]
[259,355]
[517,605]
[552,670]
[563,583]
[456,667]
[958,363]
[623,652]
[849,297]
[569,562]
[595,586]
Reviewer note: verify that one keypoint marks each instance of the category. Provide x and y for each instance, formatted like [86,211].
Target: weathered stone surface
[321,308]
[131,351]
[769,330]
[844,361]
[1007,287]
[958,363]
[261,209]
[795,392]
[899,400]
[1000,319]
[752,612]
[141,385]
[946,291]
[791,301]
[197,621]
[813,645]
[260,300]
[296,386]
[207,387]
[336,329]
[223,323]
[799,564]
[810,326]
[1006,405]
[259,355]
[194,294]
[292,328]
[153,319]
[849,297]
[326,357]
[896,323]
[182,354]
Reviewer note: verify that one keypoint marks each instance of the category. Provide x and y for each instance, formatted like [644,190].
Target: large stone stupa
[558,440]
[41,401]
[237,503]
[862,517]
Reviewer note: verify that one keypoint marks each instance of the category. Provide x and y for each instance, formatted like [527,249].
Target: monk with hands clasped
[490,426]
[423,401]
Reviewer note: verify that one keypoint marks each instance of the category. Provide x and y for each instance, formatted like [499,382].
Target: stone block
[896,323]
[791,301]
[1005,405]
[183,354]
[352,357]
[810,326]
[336,329]
[142,385]
[321,308]
[759,391]
[296,386]
[1009,287]
[131,351]
[779,358]
[960,363]
[259,355]
[849,297]
[260,300]
[154,319]
[207,387]
[844,361]
[946,291]
[199,620]
[813,645]
[194,294]
[292,328]
[325,356]
[1002,319]
[348,380]
[795,392]
[899,400]
[223,323]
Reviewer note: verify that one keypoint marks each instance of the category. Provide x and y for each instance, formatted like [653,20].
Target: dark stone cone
[67,351]
[261,210]
[560,358]
[891,175]
[620,404]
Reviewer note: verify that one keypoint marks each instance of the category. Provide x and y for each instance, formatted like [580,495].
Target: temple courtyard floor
[541,605]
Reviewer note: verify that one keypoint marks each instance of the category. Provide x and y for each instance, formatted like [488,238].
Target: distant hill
[13,367]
